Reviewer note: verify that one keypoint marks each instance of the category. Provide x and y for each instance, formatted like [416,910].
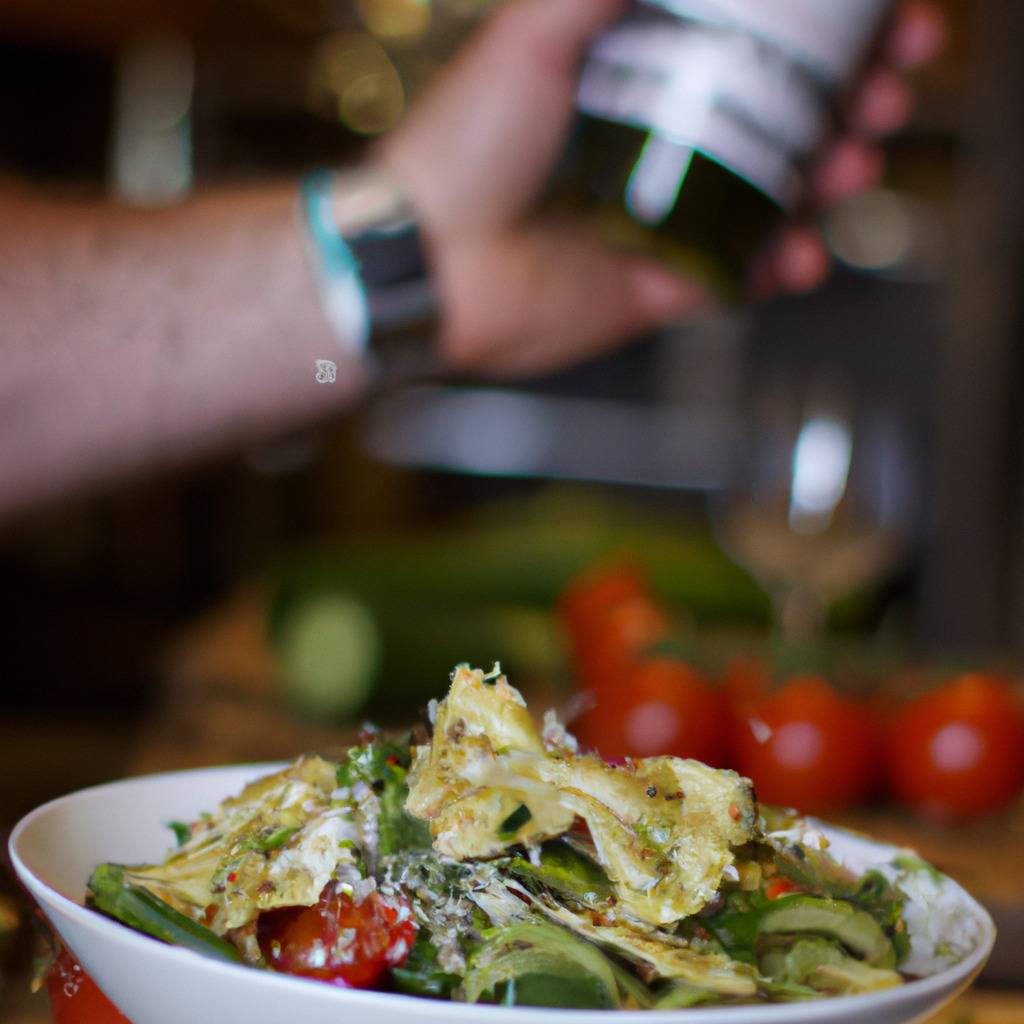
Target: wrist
[367,254]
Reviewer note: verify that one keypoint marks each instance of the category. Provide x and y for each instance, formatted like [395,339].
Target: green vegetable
[182,832]
[421,974]
[822,965]
[911,862]
[268,839]
[141,910]
[566,872]
[679,995]
[815,871]
[736,925]
[749,920]
[855,929]
[558,985]
[329,651]
[527,566]
[360,627]
[515,821]
[384,767]
[884,902]
[549,966]
[632,991]
[786,991]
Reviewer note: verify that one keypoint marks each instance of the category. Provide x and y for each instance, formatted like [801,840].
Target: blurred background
[826,487]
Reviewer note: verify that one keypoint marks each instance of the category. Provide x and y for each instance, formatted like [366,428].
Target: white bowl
[56,847]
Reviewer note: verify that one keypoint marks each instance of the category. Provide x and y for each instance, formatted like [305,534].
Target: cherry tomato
[614,643]
[338,941]
[958,752]
[746,683]
[590,594]
[75,997]
[807,747]
[781,886]
[663,706]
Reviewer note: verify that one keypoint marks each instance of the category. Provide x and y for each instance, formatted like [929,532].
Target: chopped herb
[422,975]
[911,862]
[268,839]
[182,832]
[515,821]
[383,767]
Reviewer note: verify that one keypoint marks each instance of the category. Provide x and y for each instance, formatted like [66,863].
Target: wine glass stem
[799,613]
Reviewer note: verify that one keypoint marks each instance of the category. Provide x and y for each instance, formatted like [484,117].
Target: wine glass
[820,503]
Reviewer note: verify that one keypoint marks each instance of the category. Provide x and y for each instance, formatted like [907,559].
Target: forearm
[137,338]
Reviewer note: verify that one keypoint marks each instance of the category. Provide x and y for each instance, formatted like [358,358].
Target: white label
[828,36]
[740,81]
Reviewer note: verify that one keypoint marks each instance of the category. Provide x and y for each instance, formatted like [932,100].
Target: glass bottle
[697,120]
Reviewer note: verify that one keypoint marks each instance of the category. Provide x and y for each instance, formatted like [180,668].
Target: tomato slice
[74,997]
[339,941]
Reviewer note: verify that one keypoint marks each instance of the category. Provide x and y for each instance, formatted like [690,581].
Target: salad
[493,862]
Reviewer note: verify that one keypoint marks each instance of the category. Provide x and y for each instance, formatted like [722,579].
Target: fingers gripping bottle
[697,120]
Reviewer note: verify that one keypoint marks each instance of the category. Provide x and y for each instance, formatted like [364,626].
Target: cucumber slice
[820,964]
[567,991]
[680,996]
[541,965]
[855,929]
[329,651]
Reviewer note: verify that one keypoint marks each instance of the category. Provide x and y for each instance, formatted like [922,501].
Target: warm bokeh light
[396,20]
[352,79]
[873,231]
[468,8]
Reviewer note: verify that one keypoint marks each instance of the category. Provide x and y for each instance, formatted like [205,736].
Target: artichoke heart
[675,961]
[663,829]
[276,844]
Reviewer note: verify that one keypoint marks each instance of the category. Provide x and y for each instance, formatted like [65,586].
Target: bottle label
[827,36]
[744,82]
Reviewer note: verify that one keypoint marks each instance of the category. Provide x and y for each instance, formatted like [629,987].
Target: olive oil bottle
[697,118]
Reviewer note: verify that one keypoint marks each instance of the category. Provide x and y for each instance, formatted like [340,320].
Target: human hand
[527,295]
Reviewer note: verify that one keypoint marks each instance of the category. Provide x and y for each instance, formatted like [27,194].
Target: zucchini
[341,653]
[377,628]
[529,566]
